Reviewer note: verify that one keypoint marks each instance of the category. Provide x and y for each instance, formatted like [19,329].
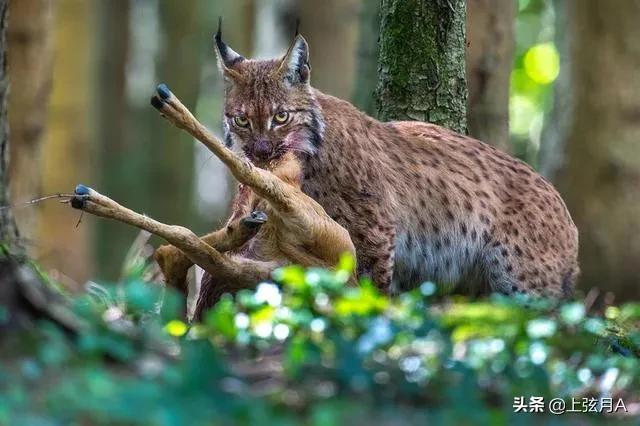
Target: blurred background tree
[119,155]
[535,69]
[30,55]
[8,228]
[490,44]
[140,44]
[108,56]
[599,139]
[367,60]
[68,155]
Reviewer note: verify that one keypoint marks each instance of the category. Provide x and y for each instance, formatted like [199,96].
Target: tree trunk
[600,179]
[368,53]
[332,33]
[8,229]
[29,56]
[490,39]
[422,62]
[552,153]
[118,153]
[172,151]
[147,165]
[65,154]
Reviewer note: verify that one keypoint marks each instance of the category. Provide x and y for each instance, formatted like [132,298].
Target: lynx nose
[262,149]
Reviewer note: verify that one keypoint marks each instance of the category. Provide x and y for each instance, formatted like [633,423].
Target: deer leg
[175,264]
[198,251]
[263,182]
[214,286]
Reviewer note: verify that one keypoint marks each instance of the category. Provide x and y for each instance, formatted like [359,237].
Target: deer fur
[282,225]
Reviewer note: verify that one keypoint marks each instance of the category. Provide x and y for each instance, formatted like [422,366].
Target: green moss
[422,62]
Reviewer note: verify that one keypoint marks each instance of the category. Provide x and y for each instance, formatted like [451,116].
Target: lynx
[419,201]
[274,224]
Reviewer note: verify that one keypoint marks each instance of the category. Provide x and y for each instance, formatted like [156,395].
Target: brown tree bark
[600,177]
[552,152]
[29,56]
[22,294]
[118,153]
[422,62]
[331,29]
[8,229]
[172,152]
[65,154]
[490,45]
[368,53]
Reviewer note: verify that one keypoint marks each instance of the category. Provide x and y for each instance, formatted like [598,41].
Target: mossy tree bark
[490,39]
[422,62]
[8,229]
[600,137]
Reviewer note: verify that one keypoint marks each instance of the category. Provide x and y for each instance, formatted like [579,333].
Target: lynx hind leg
[510,269]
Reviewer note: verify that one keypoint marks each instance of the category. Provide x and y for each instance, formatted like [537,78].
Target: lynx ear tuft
[295,67]
[227,57]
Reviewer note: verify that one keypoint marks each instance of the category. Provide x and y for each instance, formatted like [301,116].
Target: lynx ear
[294,66]
[227,57]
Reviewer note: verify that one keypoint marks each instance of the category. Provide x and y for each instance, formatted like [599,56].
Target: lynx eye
[281,117]
[241,121]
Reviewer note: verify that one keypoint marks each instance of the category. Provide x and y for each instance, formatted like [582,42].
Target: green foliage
[309,349]
[535,70]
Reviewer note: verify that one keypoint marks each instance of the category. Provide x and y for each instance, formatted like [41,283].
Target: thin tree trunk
[29,55]
[368,53]
[148,163]
[552,153]
[248,39]
[65,154]
[490,39]
[172,152]
[422,62]
[332,33]
[118,153]
[600,179]
[8,229]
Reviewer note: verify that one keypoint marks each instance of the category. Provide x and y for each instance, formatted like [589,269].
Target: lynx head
[269,106]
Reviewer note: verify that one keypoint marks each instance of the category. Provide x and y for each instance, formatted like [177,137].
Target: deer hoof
[82,189]
[156,102]
[163,91]
[255,219]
